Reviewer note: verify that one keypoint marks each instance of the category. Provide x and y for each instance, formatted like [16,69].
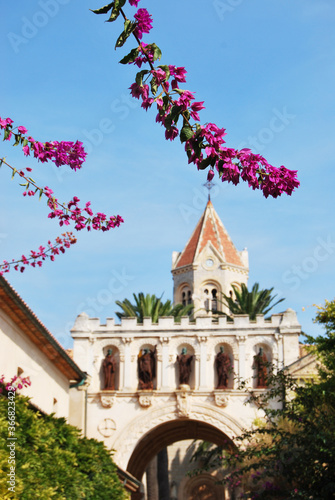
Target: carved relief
[183,402]
[106,427]
[145,399]
[107,400]
[221,399]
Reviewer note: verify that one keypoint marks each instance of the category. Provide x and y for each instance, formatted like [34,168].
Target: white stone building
[28,349]
[138,423]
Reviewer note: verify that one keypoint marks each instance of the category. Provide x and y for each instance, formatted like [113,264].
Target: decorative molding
[183,401]
[107,400]
[221,398]
[145,399]
[164,340]
[127,340]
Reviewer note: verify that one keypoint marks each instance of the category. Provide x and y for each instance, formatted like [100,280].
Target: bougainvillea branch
[35,259]
[204,144]
[61,153]
[66,212]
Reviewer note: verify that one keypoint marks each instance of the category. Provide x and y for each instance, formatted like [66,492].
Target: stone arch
[203,485]
[184,293]
[211,292]
[146,435]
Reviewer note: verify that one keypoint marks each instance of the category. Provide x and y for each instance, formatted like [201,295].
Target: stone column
[241,356]
[280,351]
[197,371]
[127,380]
[164,365]
[203,363]
[121,372]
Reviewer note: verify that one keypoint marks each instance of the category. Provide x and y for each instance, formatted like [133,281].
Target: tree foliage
[290,454]
[251,302]
[150,306]
[52,460]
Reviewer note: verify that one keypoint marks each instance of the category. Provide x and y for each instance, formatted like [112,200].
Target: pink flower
[134,2]
[144,22]
[22,130]
[210,175]
[26,150]
[172,133]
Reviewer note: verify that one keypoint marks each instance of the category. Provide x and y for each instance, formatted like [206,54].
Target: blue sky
[266,73]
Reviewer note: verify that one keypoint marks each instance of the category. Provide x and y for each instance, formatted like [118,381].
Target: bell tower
[208,265]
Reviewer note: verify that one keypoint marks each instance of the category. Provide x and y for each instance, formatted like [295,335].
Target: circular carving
[106,427]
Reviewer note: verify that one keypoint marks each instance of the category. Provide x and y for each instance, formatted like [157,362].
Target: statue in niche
[185,368]
[147,368]
[261,364]
[109,368]
[223,368]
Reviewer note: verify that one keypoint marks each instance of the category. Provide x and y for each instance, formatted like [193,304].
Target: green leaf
[175,112]
[165,68]
[157,53]
[129,27]
[154,86]
[14,172]
[118,4]
[205,163]
[168,122]
[186,133]
[104,9]
[129,58]
[17,139]
[140,75]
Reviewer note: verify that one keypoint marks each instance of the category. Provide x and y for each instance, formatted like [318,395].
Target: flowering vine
[36,258]
[204,144]
[61,153]
[16,382]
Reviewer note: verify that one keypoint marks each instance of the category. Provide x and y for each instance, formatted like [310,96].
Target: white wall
[49,388]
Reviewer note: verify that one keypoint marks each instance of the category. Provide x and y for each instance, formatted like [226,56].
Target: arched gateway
[146,404]
[160,427]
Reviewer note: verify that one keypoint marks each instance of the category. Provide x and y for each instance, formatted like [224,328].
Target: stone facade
[138,423]
[122,417]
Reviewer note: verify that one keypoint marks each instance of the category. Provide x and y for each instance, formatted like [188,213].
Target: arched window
[185,295]
[211,297]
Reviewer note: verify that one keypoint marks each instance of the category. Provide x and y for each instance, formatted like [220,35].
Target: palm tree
[250,302]
[150,306]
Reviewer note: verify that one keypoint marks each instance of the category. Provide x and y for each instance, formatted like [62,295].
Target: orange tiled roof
[209,228]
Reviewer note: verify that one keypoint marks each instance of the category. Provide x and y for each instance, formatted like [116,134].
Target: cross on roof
[209,185]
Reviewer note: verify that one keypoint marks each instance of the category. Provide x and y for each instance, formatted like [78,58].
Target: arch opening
[171,432]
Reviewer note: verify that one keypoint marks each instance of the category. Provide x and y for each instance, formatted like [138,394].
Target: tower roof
[209,229]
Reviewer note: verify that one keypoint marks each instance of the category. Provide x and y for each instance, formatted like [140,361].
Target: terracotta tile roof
[209,228]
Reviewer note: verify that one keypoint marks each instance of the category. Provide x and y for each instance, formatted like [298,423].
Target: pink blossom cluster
[61,153]
[36,258]
[70,211]
[144,22]
[15,383]
[204,144]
